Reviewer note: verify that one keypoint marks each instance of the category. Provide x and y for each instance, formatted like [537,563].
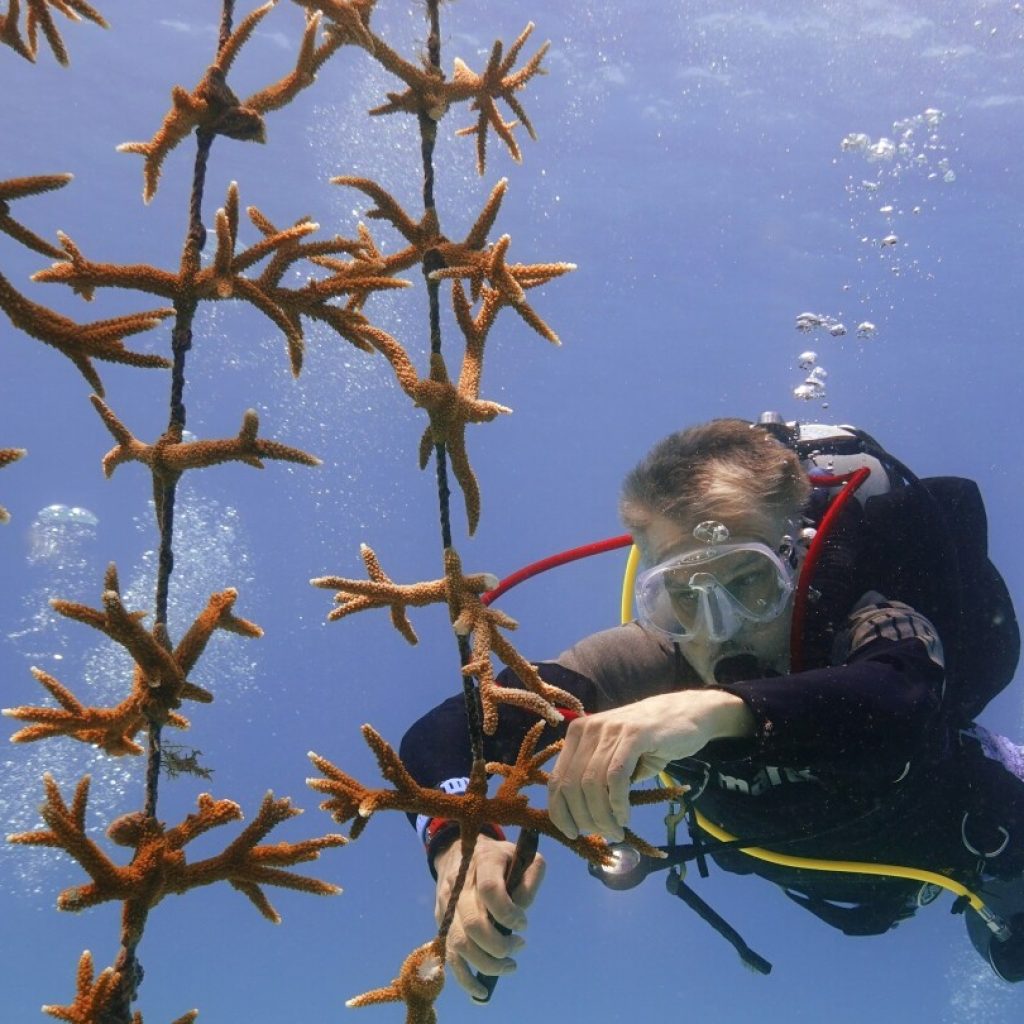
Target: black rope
[118,1010]
[432,261]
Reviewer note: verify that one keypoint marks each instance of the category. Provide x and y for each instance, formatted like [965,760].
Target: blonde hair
[727,469]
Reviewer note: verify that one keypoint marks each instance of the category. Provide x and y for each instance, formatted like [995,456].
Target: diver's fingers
[622,767]
[482,946]
[464,976]
[559,785]
[598,776]
[567,803]
[525,893]
[648,766]
[494,899]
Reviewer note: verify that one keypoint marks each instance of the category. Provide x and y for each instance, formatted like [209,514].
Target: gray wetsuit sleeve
[627,663]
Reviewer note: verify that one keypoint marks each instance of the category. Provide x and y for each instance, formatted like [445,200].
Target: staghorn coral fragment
[497,82]
[469,615]
[94,996]
[214,108]
[7,456]
[159,683]
[158,866]
[380,591]
[450,409]
[508,280]
[349,19]
[211,107]
[111,729]
[18,188]
[169,457]
[38,16]
[349,800]
[356,278]
[82,343]
[419,983]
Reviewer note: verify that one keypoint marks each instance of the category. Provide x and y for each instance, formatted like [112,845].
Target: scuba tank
[923,541]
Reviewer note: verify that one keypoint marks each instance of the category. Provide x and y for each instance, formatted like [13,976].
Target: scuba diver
[817,630]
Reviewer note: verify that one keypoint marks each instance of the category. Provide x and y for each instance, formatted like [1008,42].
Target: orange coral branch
[39,17]
[497,82]
[169,457]
[508,280]
[7,456]
[427,92]
[349,800]
[93,997]
[419,983]
[158,866]
[159,683]
[18,188]
[211,107]
[469,616]
[357,277]
[82,343]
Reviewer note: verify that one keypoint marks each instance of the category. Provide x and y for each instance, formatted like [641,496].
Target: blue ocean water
[715,170]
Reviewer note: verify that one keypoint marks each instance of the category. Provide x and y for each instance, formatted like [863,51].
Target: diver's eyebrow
[750,559]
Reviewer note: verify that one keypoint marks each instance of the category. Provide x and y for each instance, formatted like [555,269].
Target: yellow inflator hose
[809,863]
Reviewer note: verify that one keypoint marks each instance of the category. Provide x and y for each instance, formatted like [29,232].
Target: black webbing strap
[675,885]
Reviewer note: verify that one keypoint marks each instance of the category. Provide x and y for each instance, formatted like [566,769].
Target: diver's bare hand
[473,941]
[588,790]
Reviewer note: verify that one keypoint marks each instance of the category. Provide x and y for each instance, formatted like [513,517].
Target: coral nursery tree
[340,274]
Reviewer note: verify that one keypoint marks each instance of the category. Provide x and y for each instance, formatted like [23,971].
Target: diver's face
[755,647]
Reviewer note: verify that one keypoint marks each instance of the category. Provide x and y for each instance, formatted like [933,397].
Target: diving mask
[712,590]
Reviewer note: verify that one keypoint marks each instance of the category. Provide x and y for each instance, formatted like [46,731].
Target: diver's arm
[874,706]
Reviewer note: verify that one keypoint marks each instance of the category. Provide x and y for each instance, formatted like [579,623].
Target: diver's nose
[702,654]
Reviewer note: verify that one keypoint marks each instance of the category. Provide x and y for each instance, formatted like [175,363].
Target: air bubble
[809,390]
[889,240]
[837,330]
[711,532]
[855,141]
[866,329]
[806,322]
[883,149]
[807,360]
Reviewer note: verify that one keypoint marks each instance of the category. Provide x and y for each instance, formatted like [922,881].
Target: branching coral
[427,92]
[419,983]
[451,407]
[7,456]
[212,106]
[158,866]
[39,17]
[82,343]
[469,616]
[159,683]
[170,456]
[18,188]
[225,277]
[347,272]
[94,996]
[349,800]
[497,82]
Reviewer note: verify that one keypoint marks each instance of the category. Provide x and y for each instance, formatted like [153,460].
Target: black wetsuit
[850,760]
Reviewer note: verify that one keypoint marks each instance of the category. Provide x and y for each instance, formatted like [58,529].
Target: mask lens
[711,591]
